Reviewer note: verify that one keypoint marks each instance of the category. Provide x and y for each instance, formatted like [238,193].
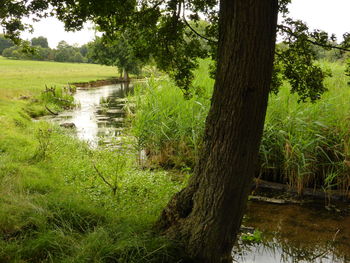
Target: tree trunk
[206,215]
[126,75]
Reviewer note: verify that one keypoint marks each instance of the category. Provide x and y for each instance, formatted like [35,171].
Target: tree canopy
[163,29]
[115,52]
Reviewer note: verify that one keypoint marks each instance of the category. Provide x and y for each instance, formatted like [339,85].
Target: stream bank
[289,232]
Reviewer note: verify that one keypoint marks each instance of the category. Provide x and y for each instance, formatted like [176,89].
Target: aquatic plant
[254,237]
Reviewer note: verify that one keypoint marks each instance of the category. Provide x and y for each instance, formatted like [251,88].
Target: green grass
[22,82]
[168,126]
[304,145]
[54,207]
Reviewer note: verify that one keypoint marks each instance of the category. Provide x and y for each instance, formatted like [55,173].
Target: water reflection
[295,234]
[100,117]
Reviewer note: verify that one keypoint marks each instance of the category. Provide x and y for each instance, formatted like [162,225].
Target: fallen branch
[272,200]
[60,99]
[53,113]
[114,188]
[307,192]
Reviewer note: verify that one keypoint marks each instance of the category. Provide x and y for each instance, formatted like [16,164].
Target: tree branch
[53,113]
[194,31]
[289,31]
[102,177]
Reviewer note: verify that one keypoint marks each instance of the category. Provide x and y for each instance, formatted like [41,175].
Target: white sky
[329,15]
[53,30]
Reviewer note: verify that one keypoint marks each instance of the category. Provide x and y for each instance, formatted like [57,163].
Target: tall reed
[304,144]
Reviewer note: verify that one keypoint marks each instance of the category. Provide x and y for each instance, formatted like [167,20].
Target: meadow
[53,205]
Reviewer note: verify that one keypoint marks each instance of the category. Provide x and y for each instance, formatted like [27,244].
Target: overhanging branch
[290,32]
[194,31]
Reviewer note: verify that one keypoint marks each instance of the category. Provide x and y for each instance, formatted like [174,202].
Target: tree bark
[206,215]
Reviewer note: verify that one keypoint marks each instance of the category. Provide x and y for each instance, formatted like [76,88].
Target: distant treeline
[116,53]
[62,53]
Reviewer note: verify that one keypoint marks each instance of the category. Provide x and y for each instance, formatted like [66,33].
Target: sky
[329,15]
[53,30]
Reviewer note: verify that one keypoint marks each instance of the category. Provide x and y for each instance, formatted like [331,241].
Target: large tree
[205,216]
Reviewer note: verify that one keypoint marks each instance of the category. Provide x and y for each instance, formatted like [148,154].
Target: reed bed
[304,144]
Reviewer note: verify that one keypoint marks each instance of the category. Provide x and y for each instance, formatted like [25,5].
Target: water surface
[99,119]
[297,234]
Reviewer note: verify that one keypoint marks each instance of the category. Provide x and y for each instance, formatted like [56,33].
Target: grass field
[53,205]
[27,79]
[24,77]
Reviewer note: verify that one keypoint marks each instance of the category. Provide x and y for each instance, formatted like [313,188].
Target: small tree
[115,52]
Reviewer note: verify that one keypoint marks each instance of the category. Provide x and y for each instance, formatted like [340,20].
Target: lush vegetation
[219,187]
[54,207]
[304,144]
[117,52]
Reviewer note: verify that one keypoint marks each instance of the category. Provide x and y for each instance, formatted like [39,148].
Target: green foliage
[174,35]
[252,238]
[54,100]
[40,41]
[4,43]
[78,58]
[115,52]
[168,126]
[11,52]
[67,53]
[57,208]
[332,55]
[43,136]
[347,71]
[303,143]
[111,167]
[40,51]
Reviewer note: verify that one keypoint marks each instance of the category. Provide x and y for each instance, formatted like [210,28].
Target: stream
[290,233]
[99,119]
